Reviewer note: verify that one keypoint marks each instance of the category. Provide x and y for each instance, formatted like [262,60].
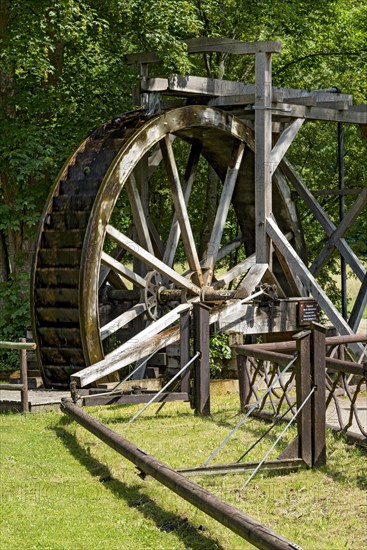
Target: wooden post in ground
[243,365]
[202,368]
[263,145]
[303,388]
[24,377]
[318,404]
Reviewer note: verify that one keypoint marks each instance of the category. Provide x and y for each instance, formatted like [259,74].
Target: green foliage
[220,351]
[62,73]
[14,318]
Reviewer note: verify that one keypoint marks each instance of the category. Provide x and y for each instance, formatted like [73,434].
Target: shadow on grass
[191,536]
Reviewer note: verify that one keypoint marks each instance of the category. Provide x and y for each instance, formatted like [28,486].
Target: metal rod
[229,516]
[156,395]
[277,440]
[239,424]
[276,421]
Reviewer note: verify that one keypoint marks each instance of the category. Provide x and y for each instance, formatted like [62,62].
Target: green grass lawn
[62,488]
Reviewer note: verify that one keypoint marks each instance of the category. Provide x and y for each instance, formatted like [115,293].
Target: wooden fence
[23,346]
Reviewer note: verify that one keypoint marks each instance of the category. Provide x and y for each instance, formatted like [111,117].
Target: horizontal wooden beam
[12,387]
[17,345]
[203,45]
[132,399]
[331,113]
[326,192]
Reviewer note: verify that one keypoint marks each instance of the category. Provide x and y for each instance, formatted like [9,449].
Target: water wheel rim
[153,131]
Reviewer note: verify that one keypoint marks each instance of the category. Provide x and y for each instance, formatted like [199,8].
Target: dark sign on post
[308,312]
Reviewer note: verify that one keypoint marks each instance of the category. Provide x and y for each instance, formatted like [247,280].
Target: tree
[62,72]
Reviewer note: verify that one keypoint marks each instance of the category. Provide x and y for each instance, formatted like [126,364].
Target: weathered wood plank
[252,279]
[17,345]
[132,399]
[263,146]
[138,214]
[151,339]
[332,114]
[200,45]
[359,306]
[175,231]
[236,271]
[229,247]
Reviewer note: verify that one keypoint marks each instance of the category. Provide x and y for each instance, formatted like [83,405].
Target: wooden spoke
[252,279]
[222,212]
[229,247]
[122,320]
[138,214]
[237,271]
[175,231]
[156,239]
[359,306]
[150,260]
[156,157]
[180,208]
[122,270]
[106,274]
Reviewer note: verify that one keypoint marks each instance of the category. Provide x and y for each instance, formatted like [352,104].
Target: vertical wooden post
[303,388]
[263,146]
[243,381]
[185,349]
[24,377]
[202,369]
[318,404]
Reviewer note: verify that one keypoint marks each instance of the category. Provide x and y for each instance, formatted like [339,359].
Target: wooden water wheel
[105,271]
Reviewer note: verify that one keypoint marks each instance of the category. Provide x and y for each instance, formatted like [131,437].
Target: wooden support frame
[307,278]
[322,217]
[339,232]
[263,146]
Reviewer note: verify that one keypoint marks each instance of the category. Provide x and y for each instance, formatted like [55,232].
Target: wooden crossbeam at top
[203,45]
